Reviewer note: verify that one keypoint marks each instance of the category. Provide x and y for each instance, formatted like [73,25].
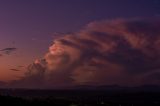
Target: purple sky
[29,25]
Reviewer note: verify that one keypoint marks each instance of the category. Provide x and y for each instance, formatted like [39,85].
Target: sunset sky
[29,27]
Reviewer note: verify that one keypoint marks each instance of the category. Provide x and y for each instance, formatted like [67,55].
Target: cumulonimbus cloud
[122,52]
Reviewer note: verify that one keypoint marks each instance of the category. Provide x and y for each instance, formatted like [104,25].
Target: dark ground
[79,97]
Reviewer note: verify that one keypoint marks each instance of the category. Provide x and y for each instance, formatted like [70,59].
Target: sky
[29,27]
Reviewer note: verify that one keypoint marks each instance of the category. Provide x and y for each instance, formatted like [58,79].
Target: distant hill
[117,87]
[153,88]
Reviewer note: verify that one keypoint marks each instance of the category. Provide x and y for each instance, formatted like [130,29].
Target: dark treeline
[81,98]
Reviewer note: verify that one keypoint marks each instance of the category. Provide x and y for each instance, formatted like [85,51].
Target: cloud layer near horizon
[122,52]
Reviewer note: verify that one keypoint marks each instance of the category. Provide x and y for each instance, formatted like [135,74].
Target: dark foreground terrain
[27,97]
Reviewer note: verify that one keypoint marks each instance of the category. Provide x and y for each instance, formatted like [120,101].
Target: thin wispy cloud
[8,51]
[15,70]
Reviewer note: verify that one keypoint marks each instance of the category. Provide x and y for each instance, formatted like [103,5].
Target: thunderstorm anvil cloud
[122,52]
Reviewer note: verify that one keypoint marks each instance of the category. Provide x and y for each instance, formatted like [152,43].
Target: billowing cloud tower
[122,52]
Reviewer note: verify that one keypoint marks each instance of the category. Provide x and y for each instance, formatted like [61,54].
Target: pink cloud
[122,52]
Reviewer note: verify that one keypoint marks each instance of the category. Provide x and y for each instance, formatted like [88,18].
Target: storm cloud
[122,52]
